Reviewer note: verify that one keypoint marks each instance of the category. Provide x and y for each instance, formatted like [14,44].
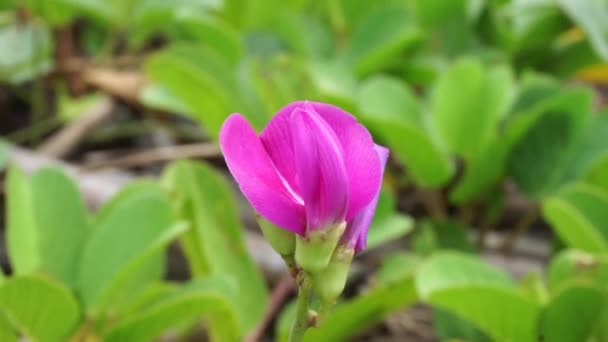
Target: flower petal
[356,230]
[361,160]
[257,177]
[322,177]
[278,142]
[360,156]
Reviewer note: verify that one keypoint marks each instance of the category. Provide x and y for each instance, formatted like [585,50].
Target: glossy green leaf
[47,224]
[159,97]
[589,150]
[61,222]
[389,229]
[200,79]
[138,225]
[335,81]
[544,139]
[389,98]
[380,38]
[597,174]
[22,232]
[485,170]
[215,244]
[579,214]
[208,298]
[575,266]
[449,326]
[590,16]
[442,235]
[25,51]
[464,122]
[388,107]
[480,294]
[214,33]
[572,314]
[39,308]
[7,332]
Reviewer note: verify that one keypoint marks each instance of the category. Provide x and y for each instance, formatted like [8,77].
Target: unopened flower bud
[329,283]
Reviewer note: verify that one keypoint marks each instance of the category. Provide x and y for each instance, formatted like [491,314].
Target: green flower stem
[301,322]
[324,310]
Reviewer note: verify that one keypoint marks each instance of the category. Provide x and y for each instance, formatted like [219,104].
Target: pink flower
[313,166]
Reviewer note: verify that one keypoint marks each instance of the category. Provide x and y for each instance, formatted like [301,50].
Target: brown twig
[284,288]
[433,202]
[66,140]
[156,155]
[520,228]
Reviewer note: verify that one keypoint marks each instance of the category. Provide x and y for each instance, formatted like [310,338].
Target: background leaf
[478,293]
[39,308]
[380,38]
[215,244]
[206,297]
[578,215]
[400,123]
[572,314]
[138,224]
[47,224]
[464,123]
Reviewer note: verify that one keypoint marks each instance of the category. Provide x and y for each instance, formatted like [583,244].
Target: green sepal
[329,283]
[282,240]
[314,251]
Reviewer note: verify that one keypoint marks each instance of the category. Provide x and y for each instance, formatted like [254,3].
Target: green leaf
[215,244]
[138,225]
[574,266]
[26,51]
[207,297]
[544,139]
[39,308]
[380,39]
[464,122]
[578,214]
[590,16]
[390,108]
[448,25]
[214,33]
[397,266]
[480,294]
[572,314]
[591,149]
[61,222]
[598,174]
[388,98]
[7,332]
[200,79]
[482,172]
[389,229]
[449,327]
[442,235]
[159,97]
[47,224]
[334,80]
[22,233]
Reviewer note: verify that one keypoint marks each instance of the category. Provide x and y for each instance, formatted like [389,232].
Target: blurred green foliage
[469,95]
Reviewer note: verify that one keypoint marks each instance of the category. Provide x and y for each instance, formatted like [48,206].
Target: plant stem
[520,229]
[301,321]
[324,310]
